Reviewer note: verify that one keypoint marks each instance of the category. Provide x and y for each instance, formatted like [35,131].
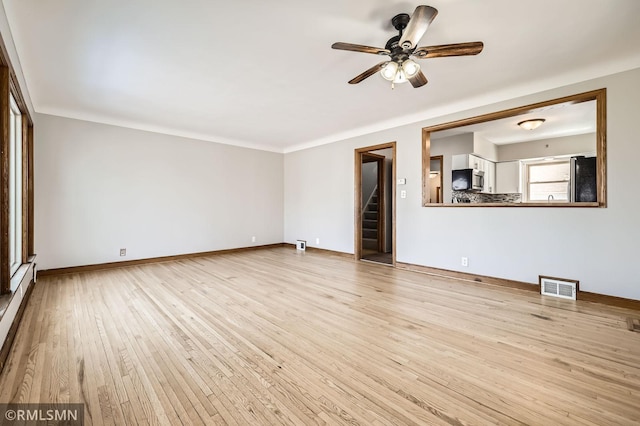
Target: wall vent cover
[558,287]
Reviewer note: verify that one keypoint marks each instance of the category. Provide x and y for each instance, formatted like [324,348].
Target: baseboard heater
[558,287]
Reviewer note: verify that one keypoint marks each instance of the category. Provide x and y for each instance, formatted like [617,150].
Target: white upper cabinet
[470,161]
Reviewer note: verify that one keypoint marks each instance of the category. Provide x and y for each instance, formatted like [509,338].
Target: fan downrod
[399,22]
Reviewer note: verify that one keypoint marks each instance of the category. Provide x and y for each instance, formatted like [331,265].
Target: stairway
[370,223]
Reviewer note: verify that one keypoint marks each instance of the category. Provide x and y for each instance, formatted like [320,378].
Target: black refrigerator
[583,180]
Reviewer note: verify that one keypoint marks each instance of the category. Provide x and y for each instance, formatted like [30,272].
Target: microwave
[467,180]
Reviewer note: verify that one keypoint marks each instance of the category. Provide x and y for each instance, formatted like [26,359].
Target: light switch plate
[403,194]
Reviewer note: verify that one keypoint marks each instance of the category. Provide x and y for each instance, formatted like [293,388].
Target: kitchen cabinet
[465,161]
[459,162]
[470,161]
[489,177]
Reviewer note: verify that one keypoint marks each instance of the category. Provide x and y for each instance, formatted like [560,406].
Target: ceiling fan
[401,68]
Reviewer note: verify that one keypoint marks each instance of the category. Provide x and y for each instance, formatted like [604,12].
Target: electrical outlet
[123,252]
[464,261]
[317,241]
[253,239]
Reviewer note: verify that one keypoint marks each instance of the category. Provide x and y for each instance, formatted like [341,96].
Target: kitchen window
[547,181]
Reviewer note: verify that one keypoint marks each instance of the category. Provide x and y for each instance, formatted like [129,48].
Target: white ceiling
[565,119]
[262,73]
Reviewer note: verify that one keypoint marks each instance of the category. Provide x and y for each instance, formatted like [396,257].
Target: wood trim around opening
[357,202]
[25,190]
[30,203]
[426,167]
[368,157]
[5,116]
[357,244]
[439,194]
[599,95]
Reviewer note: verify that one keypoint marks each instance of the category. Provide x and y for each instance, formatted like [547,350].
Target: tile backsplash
[479,197]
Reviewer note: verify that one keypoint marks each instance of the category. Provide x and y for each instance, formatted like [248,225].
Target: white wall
[99,188]
[508,177]
[566,145]
[484,148]
[7,38]
[596,246]
[448,147]
[369,180]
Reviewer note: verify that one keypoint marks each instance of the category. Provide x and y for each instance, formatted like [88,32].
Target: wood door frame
[368,157]
[359,153]
[440,190]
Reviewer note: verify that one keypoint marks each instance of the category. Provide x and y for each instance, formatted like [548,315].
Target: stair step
[371,215]
[370,233]
[370,243]
[369,224]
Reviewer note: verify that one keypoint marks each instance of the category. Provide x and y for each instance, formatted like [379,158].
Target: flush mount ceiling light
[534,123]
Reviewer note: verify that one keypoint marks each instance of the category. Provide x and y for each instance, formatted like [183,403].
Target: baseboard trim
[464,276]
[325,251]
[619,302]
[136,262]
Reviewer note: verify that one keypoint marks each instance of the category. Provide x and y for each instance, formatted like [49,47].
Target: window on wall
[16,180]
[15,185]
[547,181]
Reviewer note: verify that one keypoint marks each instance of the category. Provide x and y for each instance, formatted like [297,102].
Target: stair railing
[375,190]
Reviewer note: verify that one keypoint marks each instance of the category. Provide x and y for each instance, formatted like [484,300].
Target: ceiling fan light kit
[400,73]
[401,68]
[389,71]
[410,68]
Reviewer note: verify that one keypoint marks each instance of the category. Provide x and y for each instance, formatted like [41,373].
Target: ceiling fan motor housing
[397,54]
[400,21]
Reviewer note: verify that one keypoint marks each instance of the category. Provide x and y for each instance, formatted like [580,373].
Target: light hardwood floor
[279,337]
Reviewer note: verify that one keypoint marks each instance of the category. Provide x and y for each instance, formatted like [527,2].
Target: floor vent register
[633,324]
[558,287]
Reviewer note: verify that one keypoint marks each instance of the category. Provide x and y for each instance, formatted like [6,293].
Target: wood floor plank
[275,336]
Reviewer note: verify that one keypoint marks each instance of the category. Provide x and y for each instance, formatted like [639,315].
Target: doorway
[435,179]
[375,176]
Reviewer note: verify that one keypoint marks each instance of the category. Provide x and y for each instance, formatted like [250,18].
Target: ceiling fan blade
[368,73]
[360,48]
[418,24]
[459,49]
[418,80]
